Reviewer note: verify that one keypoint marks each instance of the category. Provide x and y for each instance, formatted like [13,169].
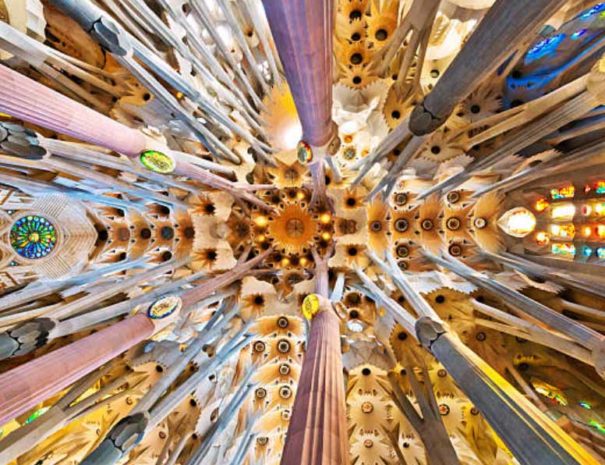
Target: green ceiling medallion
[158,162]
[304,152]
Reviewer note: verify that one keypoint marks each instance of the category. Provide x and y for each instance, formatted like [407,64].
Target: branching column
[318,431]
[32,102]
[504,28]
[531,436]
[24,387]
[302,31]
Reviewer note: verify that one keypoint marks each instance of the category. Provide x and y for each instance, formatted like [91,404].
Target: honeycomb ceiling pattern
[162,222]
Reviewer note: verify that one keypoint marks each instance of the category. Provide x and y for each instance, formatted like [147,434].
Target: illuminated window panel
[586,405]
[593,209]
[587,251]
[541,205]
[586,231]
[597,425]
[553,393]
[563,211]
[566,192]
[563,249]
[542,238]
[598,187]
[563,231]
[544,47]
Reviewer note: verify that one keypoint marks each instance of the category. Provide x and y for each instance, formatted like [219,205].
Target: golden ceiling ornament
[484,229]
[356,76]
[205,258]
[353,10]
[396,109]
[204,205]
[378,226]
[254,304]
[353,54]
[441,148]
[485,101]
[382,22]
[347,30]
[288,172]
[292,229]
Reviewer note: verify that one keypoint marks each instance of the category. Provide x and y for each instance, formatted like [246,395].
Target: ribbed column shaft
[531,436]
[29,384]
[318,430]
[30,101]
[302,31]
[505,26]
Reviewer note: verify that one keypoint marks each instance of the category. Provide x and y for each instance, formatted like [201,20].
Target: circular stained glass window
[33,237]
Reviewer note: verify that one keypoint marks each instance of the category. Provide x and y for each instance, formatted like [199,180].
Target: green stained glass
[36,415]
[33,237]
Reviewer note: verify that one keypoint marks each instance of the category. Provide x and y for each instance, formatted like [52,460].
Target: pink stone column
[218,282]
[318,429]
[302,31]
[24,387]
[30,101]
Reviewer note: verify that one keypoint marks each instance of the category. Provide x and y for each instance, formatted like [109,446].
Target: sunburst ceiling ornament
[33,237]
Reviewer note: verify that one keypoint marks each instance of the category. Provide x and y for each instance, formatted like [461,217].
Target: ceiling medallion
[164,307]
[158,162]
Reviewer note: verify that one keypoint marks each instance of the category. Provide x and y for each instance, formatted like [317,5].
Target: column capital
[428,331]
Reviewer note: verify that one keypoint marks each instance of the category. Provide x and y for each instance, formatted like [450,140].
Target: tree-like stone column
[531,436]
[24,387]
[302,31]
[30,101]
[318,430]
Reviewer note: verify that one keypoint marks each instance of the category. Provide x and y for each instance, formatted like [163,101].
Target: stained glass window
[566,192]
[563,211]
[544,47]
[566,250]
[598,8]
[541,205]
[33,237]
[566,231]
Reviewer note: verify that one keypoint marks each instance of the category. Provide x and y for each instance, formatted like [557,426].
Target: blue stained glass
[592,11]
[576,35]
[601,252]
[33,237]
[544,47]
